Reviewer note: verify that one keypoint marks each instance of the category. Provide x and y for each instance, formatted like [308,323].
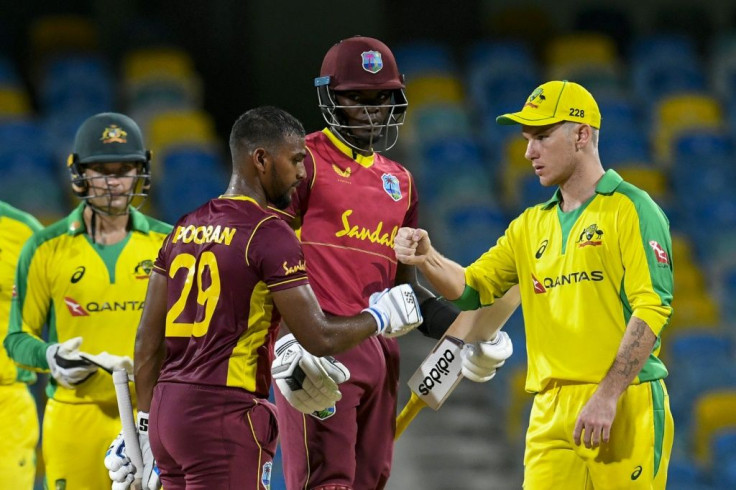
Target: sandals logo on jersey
[324,414]
[143,269]
[114,134]
[372,61]
[391,186]
[590,236]
[300,266]
[375,235]
[266,475]
[659,253]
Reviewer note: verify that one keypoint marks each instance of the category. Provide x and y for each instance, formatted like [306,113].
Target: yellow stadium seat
[515,167]
[519,403]
[159,62]
[14,102]
[581,48]
[649,179]
[54,34]
[713,411]
[180,128]
[678,113]
[688,278]
[694,310]
[682,249]
[433,90]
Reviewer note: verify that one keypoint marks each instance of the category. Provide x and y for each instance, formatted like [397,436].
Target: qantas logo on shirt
[375,235]
[659,253]
[538,288]
[94,307]
[564,279]
[74,308]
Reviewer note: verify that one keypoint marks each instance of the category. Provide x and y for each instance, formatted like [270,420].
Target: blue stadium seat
[662,64]
[453,165]
[623,144]
[8,72]
[421,58]
[470,228]
[77,83]
[192,161]
[183,192]
[21,134]
[702,146]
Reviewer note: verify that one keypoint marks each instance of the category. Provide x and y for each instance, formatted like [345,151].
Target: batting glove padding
[307,382]
[481,359]
[65,364]
[395,310]
[121,469]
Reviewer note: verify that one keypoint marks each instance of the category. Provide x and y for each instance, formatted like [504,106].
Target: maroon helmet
[361,63]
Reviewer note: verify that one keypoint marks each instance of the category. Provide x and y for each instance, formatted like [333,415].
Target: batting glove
[65,364]
[395,310]
[481,359]
[121,469]
[307,382]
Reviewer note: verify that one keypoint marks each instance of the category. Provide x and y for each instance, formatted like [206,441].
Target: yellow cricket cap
[553,102]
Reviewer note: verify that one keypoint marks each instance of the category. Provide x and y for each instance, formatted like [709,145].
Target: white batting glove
[150,469]
[481,359]
[395,310]
[121,469]
[307,382]
[65,364]
[109,362]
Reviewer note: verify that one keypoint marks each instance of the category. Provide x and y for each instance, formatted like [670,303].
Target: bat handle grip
[412,408]
[130,433]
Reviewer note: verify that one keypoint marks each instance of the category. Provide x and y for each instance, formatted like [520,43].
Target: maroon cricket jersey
[351,209]
[222,261]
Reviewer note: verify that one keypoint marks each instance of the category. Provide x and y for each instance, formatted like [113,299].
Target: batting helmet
[361,63]
[109,137]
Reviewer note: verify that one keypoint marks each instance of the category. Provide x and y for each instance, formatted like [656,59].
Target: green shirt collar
[75,221]
[608,183]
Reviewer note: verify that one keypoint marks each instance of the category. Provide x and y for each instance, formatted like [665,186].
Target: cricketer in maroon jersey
[230,345]
[350,206]
[205,341]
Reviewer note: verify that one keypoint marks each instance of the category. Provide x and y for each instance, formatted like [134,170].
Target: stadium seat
[436,121]
[713,412]
[180,128]
[652,180]
[9,75]
[584,47]
[418,59]
[434,89]
[157,61]
[683,112]
[621,145]
[14,102]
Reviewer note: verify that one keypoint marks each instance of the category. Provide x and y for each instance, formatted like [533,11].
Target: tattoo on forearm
[628,362]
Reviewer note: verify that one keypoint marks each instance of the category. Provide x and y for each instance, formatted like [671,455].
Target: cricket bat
[130,434]
[439,374]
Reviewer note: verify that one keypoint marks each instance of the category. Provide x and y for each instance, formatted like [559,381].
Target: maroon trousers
[350,447]
[212,438]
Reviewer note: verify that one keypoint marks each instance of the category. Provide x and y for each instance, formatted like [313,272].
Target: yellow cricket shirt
[16,227]
[582,275]
[79,288]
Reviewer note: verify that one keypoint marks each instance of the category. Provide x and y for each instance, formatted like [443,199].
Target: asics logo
[541,249]
[636,473]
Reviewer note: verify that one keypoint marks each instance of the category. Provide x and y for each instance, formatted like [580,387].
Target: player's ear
[260,157]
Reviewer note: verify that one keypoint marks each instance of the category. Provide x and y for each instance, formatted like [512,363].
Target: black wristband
[438,314]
